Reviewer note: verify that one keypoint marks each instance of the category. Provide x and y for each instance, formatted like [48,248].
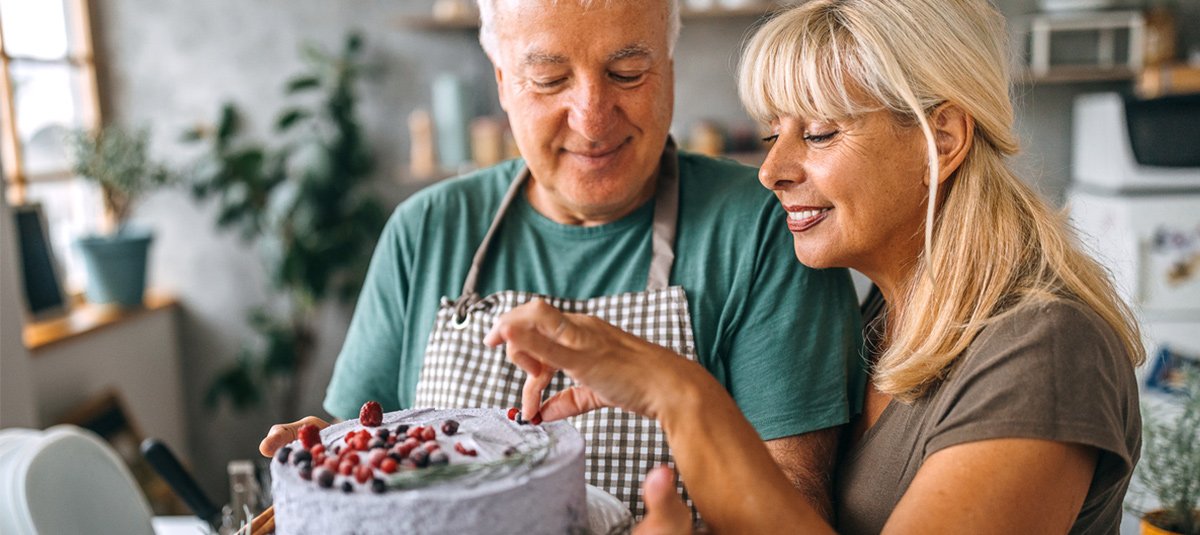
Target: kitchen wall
[170,64]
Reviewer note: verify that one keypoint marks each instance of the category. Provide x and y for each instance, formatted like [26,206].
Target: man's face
[589,94]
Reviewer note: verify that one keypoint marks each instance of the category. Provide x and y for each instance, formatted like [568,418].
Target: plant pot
[116,266]
[1153,519]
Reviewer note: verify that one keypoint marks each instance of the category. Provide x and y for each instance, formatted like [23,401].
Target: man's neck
[555,208]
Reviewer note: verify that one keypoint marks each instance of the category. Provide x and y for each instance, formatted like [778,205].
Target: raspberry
[376,457]
[371,414]
[414,431]
[449,427]
[309,435]
[318,460]
[428,434]
[317,450]
[353,458]
[458,446]
[537,419]
[283,455]
[331,464]
[431,446]
[362,473]
[389,465]
[513,413]
[405,449]
[346,468]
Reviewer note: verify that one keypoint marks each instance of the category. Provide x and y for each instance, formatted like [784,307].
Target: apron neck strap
[666,211]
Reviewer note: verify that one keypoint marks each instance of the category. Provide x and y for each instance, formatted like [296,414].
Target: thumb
[665,511]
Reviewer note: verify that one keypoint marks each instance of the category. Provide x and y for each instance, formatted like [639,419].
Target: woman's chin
[814,258]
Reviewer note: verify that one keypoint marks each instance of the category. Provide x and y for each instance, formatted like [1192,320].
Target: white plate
[606,514]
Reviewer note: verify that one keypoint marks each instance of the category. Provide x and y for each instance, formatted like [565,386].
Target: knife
[167,465]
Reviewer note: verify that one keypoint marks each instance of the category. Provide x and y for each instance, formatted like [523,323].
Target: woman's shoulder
[1058,326]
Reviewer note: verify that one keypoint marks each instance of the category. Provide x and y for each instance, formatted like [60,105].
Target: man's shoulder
[728,182]
[476,190]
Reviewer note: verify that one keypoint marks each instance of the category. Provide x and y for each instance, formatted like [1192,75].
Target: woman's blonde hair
[991,244]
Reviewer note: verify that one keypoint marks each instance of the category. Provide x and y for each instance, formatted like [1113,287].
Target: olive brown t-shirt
[1051,370]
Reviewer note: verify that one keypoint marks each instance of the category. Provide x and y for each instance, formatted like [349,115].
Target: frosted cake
[432,471]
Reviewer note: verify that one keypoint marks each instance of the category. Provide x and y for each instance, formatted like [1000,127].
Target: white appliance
[1141,218]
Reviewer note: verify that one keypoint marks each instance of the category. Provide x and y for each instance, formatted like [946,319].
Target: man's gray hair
[487,21]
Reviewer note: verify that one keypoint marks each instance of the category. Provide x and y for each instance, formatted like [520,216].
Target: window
[48,88]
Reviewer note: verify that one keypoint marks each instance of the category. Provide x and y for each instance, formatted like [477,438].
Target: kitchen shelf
[431,23]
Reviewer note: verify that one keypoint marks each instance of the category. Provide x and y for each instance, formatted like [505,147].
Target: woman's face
[854,190]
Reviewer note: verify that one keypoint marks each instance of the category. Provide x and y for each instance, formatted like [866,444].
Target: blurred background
[250,127]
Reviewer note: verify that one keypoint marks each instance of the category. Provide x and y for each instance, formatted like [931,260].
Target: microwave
[1128,145]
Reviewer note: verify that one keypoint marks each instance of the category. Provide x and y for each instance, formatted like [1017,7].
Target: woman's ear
[953,134]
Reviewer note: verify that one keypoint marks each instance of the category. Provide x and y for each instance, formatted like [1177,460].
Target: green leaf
[289,118]
[302,83]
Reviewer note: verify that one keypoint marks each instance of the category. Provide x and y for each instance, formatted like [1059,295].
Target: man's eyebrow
[630,51]
[537,57]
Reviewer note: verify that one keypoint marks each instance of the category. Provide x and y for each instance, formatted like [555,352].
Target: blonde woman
[1002,397]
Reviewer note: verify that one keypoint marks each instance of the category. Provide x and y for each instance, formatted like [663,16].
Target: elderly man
[602,216]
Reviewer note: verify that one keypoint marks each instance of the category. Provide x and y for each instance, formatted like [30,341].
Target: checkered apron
[460,371]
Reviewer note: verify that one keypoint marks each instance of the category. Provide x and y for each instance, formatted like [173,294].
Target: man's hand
[281,434]
[666,513]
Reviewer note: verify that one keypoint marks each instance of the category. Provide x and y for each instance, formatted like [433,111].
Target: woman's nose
[779,171]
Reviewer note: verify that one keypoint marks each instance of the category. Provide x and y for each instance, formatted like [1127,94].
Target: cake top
[416,449]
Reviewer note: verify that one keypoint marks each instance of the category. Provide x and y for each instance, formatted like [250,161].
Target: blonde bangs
[801,70]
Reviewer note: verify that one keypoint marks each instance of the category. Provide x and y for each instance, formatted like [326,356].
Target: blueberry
[306,472]
[401,430]
[378,486]
[395,456]
[301,456]
[420,457]
[521,419]
[382,433]
[450,427]
[324,477]
[347,487]
[376,443]
[438,457]
[510,451]
[282,454]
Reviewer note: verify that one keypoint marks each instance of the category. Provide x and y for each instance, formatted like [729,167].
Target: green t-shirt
[782,338]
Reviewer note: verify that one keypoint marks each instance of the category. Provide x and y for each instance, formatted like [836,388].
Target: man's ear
[500,92]
[953,135]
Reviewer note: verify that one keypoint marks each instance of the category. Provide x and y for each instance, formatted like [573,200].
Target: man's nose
[593,109]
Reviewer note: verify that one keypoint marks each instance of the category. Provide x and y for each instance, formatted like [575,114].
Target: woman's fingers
[665,511]
[531,393]
[573,401]
[281,434]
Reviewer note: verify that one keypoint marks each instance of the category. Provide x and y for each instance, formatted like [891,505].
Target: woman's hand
[611,367]
[281,435]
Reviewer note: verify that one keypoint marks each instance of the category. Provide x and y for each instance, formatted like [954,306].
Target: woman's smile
[802,218]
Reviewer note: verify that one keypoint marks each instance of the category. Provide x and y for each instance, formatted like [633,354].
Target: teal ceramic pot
[116,266]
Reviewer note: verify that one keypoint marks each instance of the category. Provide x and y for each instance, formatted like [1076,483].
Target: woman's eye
[771,138]
[820,138]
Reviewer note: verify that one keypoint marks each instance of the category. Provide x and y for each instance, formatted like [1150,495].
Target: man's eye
[625,79]
[549,84]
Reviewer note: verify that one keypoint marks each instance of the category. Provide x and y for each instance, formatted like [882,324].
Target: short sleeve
[368,367]
[795,353]
[1052,371]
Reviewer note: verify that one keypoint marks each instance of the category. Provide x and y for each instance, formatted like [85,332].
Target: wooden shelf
[87,318]
[1073,74]
[431,23]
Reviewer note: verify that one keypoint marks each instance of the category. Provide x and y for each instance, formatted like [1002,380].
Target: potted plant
[115,258]
[1170,465]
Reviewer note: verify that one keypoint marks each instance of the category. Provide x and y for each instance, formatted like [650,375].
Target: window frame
[82,61]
